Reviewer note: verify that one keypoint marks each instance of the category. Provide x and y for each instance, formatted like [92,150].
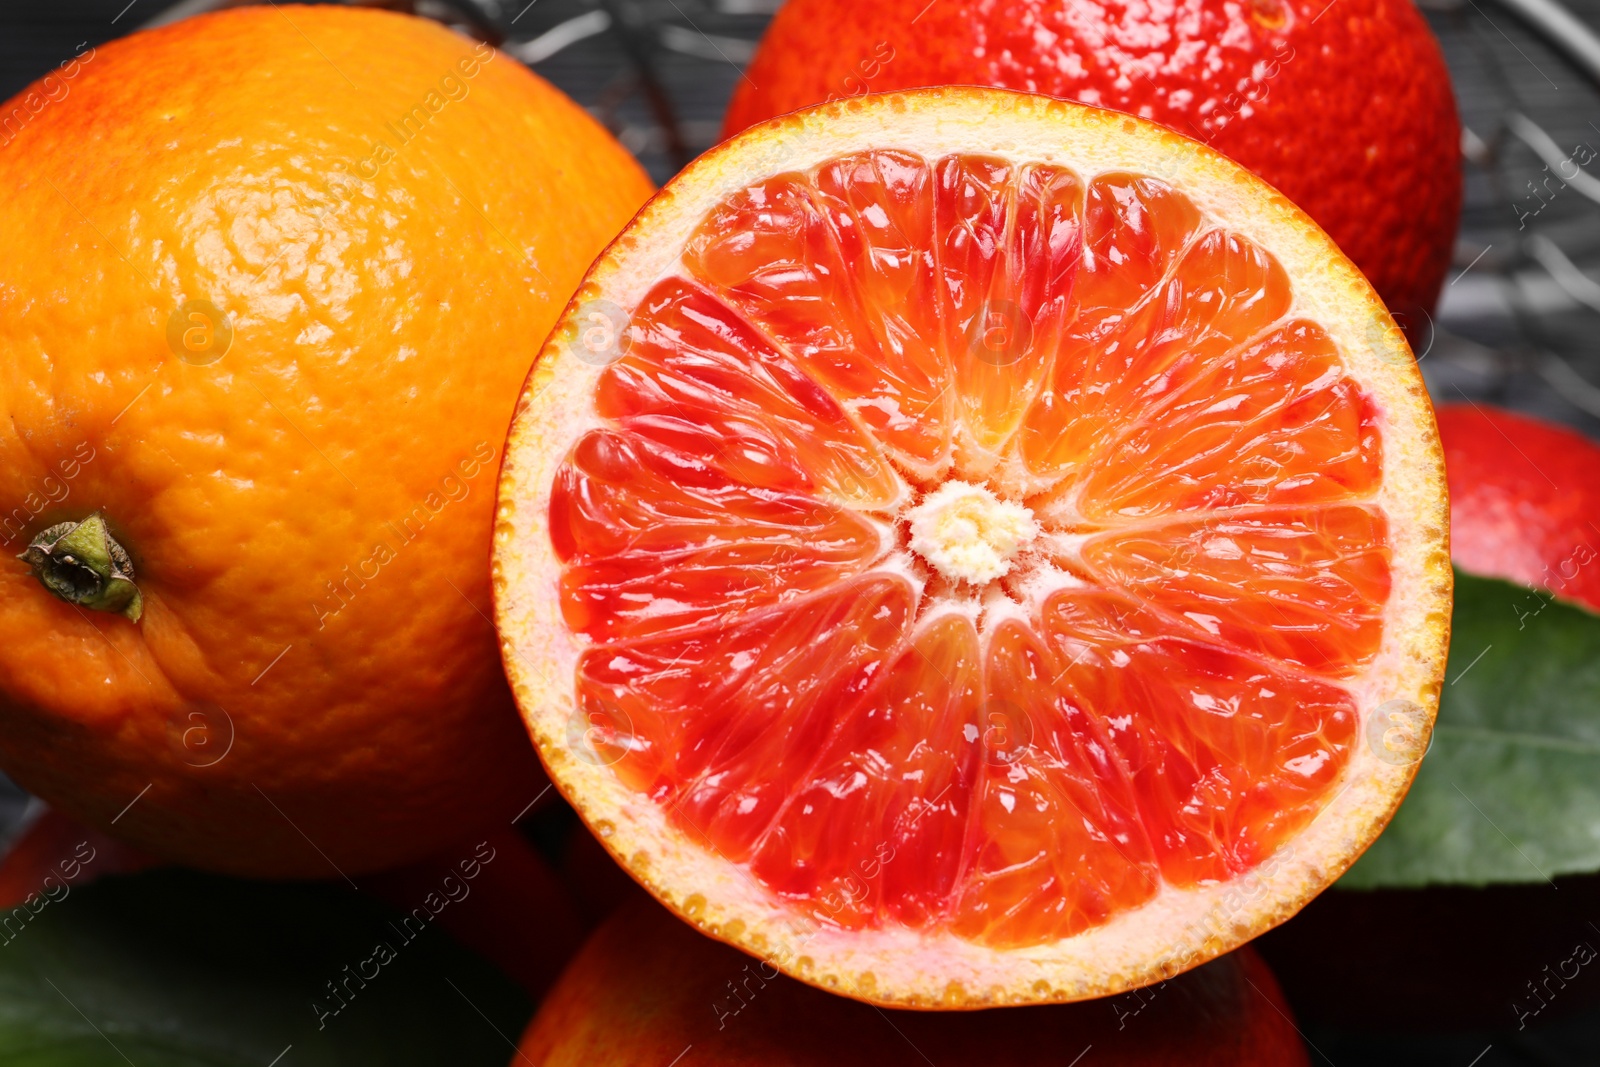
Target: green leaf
[177,969]
[1510,790]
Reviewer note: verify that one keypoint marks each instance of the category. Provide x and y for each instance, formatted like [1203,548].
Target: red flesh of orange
[1170,712]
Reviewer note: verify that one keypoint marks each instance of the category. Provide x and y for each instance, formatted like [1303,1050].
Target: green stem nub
[82,564]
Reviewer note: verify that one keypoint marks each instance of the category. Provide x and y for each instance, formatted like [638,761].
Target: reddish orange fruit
[1524,500]
[1345,107]
[648,991]
[269,282]
[970,548]
[57,854]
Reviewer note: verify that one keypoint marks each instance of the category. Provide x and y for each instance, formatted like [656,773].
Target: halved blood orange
[969,548]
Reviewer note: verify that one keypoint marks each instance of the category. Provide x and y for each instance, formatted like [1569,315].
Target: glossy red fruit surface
[1346,107]
[1524,500]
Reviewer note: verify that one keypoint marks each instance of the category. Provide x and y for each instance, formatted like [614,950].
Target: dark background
[660,75]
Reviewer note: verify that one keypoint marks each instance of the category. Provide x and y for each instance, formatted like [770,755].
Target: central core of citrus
[969,534]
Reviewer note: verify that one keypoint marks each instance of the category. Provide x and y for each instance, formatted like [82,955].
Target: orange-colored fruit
[971,548]
[1524,500]
[269,281]
[1345,107]
[646,991]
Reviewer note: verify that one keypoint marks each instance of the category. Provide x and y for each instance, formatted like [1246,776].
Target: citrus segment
[1228,754]
[1060,843]
[1318,580]
[721,724]
[1278,422]
[971,551]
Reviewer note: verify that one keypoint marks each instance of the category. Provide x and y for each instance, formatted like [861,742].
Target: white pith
[969,534]
[1179,927]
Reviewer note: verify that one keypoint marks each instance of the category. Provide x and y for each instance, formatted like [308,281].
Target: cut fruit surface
[969,548]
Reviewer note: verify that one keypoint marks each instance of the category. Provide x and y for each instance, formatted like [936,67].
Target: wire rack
[1517,323]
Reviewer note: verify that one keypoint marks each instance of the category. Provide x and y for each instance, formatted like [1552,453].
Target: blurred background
[1518,324]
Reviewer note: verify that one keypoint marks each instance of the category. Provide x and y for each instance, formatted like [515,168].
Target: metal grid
[1520,310]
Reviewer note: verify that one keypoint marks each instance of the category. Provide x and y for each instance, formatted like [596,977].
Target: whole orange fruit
[1346,107]
[647,989]
[1524,500]
[269,282]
